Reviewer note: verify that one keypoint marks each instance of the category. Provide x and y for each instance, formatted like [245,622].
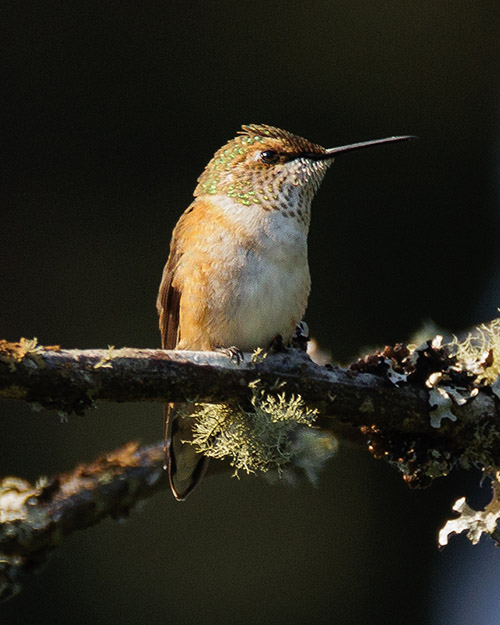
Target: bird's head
[272,168]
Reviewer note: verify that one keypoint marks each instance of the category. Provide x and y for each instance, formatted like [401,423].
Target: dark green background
[109,112]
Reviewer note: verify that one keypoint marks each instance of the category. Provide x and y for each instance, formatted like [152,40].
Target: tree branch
[34,519]
[72,381]
[423,412]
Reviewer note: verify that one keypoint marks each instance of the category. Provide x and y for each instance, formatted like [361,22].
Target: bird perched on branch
[237,275]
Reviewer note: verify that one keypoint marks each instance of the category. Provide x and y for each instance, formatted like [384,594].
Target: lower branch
[34,518]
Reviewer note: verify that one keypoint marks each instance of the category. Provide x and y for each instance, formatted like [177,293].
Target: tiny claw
[233,353]
[301,336]
[301,330]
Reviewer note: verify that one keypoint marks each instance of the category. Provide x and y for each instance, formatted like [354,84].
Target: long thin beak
[331,152]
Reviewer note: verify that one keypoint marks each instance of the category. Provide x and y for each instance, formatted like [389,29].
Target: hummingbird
[237,276]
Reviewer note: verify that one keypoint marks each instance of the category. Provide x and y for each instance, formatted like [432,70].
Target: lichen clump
[475,522]
[268,435]
[479,352]
[14,353]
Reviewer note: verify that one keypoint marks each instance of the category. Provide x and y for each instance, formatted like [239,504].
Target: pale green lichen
[311,448]
[441,404]
[274,434]
[14,353]
[479,352]
[258,355]
[105,362]
[474,522]
[477,356]
[14,493]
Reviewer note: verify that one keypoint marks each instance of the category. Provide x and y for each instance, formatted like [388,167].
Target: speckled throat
[288,184]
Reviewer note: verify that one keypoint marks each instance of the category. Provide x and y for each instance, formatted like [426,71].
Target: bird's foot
[233,353]
[276,345]
[301,336]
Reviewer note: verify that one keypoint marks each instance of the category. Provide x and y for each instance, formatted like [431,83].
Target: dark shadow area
[109,113]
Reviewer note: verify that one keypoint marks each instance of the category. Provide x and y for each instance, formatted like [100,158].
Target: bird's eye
[269,157]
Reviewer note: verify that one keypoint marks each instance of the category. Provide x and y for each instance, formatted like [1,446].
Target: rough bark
[73,380]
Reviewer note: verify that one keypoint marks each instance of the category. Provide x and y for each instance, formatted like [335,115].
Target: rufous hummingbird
[237,275]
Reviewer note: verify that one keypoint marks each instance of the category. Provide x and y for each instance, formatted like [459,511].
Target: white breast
[268,284]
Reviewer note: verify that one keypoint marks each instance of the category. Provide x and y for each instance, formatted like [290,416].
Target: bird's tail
[185,466]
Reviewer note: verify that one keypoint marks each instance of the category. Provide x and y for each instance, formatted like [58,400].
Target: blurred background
[109,112]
